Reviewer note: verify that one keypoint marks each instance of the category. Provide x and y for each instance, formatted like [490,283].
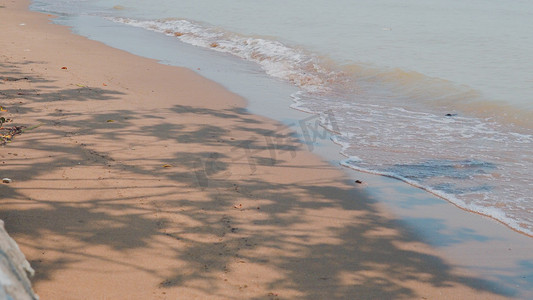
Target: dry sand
[145,181]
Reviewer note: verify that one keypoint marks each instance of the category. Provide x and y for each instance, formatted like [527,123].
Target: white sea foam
[276,59]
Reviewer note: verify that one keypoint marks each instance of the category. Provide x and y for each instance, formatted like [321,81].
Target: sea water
[438,94]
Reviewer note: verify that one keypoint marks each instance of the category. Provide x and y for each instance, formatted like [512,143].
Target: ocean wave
[317,74]
[278,60]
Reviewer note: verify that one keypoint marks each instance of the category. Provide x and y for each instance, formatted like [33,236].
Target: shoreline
[134,175]
[110,33]
[121,37]
[438,195]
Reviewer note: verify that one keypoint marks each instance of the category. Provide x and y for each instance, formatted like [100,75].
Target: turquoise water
[437,94]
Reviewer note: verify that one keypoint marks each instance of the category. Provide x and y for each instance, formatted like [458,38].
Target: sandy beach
[137,180]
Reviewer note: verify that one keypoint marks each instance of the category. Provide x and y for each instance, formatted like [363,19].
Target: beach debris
[7,134]
[104,84]
[214,45]
[15,79]
[358,181]
[178,34]
[81,85]
[63,68]
[451,115]
[167,166]
[6,180]
[2,108]
[238,206]
[110,121]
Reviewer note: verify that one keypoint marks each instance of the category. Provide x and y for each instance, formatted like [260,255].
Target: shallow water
[438,95]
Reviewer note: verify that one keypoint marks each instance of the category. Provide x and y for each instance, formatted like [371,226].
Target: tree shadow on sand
[318,238]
